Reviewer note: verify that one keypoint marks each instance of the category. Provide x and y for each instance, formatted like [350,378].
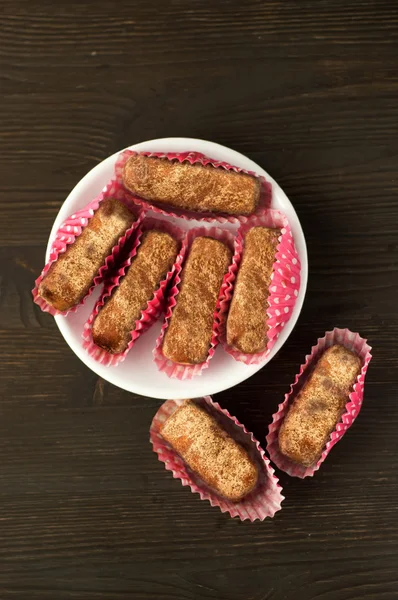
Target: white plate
[138,373]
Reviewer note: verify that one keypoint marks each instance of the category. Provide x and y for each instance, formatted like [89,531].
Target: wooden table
[309,91]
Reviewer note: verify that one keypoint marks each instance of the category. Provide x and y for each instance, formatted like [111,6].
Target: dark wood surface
[308,90]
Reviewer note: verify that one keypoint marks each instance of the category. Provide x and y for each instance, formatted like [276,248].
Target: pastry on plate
[247,317]
[193,187]
[116,320]
[189,333]
[70,277]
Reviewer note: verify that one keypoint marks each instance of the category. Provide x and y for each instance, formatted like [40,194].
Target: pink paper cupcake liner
[351,341]
[154,307]
[176,370]
[194,158]
[73,227]
[264,501]
[284,287]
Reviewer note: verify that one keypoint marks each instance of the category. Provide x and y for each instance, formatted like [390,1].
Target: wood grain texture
[308,90]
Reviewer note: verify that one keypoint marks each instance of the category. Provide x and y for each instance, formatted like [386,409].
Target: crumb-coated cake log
[191,187]
[113,325]
[221,462]
[71,275]
[319,405]
[247,318]
[188,336]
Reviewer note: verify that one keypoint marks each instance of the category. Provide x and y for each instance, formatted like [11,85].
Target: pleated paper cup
[263,501]
[183,371]
[74,226]
[283,289]
[151,313]
[351,341]
[196,158]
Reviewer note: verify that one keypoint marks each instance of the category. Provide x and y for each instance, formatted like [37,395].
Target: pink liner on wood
[196,158]
[352,341]
[284,287]
[154,307]
[264,501]
[73,227]
[176,370]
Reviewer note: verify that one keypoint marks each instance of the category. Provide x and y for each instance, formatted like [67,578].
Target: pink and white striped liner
[176,370]
[154,307]
[264,501]
[196,158]
[284,287]
[349,340]
[73,227]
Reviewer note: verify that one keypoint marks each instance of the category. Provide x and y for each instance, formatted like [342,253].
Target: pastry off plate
[138,373]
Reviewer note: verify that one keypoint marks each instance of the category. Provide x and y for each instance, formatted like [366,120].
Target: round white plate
[138,373]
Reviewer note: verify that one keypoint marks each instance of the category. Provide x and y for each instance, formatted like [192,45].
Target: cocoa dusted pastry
[191,187]
[221,462]
[317,409]
[155,256]
[188,336]
[247,318]
[71,275]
